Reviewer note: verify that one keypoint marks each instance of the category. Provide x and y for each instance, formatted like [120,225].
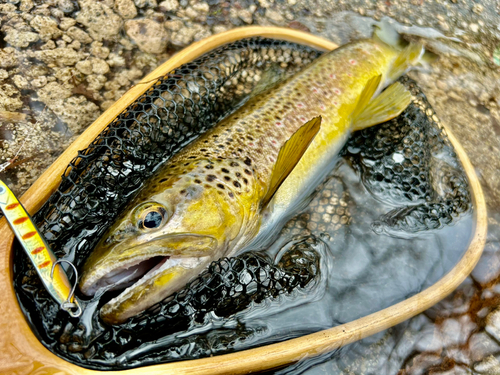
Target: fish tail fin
[408,53]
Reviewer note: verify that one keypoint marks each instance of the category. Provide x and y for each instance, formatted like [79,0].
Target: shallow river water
[59,99]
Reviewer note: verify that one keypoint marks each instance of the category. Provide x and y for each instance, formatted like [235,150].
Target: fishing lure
[47,266]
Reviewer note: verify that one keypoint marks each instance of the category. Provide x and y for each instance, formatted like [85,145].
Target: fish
[237,182]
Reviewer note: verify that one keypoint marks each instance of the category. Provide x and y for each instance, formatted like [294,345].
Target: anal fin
[290,154]
[389,104]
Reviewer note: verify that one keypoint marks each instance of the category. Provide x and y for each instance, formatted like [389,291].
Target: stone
[245,15]
[100,20]
[84,66]
[26,5]
[125,8]
[274,16]
[66,23]
[150,36]
[20,39]
[75,44]
[59,56]
[474,27]
[488,366]
[115,60]
[169,5]
[53,92]
[80,35]
[20,82]
[7,57]
[145,3]
[493,324]
[99,66]
[477,8]
[219,29]
[188,33]
[49,45]
[7,8]
[9,98]
[46,27]
[173,25]
[481,345]
[76,111]
[203,8]
[99,51]
[66,6]
[95,82]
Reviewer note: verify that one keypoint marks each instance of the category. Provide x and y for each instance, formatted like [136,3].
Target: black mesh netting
[228,286]
[410,163]
[176,109]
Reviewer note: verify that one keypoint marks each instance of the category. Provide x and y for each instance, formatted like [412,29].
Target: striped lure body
[53,278]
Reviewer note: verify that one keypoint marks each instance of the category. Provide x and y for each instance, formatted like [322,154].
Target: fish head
[182,220]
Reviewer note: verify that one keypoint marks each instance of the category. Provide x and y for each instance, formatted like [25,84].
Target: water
[465,95]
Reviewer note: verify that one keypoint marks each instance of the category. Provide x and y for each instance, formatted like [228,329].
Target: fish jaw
[120,264]
[155,286]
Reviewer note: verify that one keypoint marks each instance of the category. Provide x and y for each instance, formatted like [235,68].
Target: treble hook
[67,305]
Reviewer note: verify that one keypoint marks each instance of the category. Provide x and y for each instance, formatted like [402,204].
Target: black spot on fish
[227,178]
[197,181]
[237,184]
[211,177]
[245,180]
[234,164]
[220,186]
[163,180]
[209,166]
[231,194]
[183,191]
[225,170]
[238,174]
[247,172]
[248,161]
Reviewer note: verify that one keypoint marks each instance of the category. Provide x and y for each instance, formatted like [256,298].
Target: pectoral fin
[389,104]
[290,154]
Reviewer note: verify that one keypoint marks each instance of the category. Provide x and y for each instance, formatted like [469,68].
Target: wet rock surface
[63,62]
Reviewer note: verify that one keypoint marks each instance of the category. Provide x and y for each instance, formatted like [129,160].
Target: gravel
[63,62]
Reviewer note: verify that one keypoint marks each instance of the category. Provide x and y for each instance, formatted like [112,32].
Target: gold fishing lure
[47,266]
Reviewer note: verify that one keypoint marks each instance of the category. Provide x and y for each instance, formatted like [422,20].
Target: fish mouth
[127,264]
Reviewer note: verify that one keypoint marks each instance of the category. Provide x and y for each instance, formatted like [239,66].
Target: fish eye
[150,216]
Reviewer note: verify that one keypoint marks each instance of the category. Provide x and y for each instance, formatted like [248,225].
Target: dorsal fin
[384,107]
[290,154]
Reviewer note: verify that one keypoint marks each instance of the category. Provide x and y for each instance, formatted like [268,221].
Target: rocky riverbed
[63,62]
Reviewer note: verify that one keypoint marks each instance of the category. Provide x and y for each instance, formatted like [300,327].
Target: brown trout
[247,175]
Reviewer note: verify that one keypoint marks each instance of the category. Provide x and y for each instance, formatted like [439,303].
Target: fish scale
[266,122]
